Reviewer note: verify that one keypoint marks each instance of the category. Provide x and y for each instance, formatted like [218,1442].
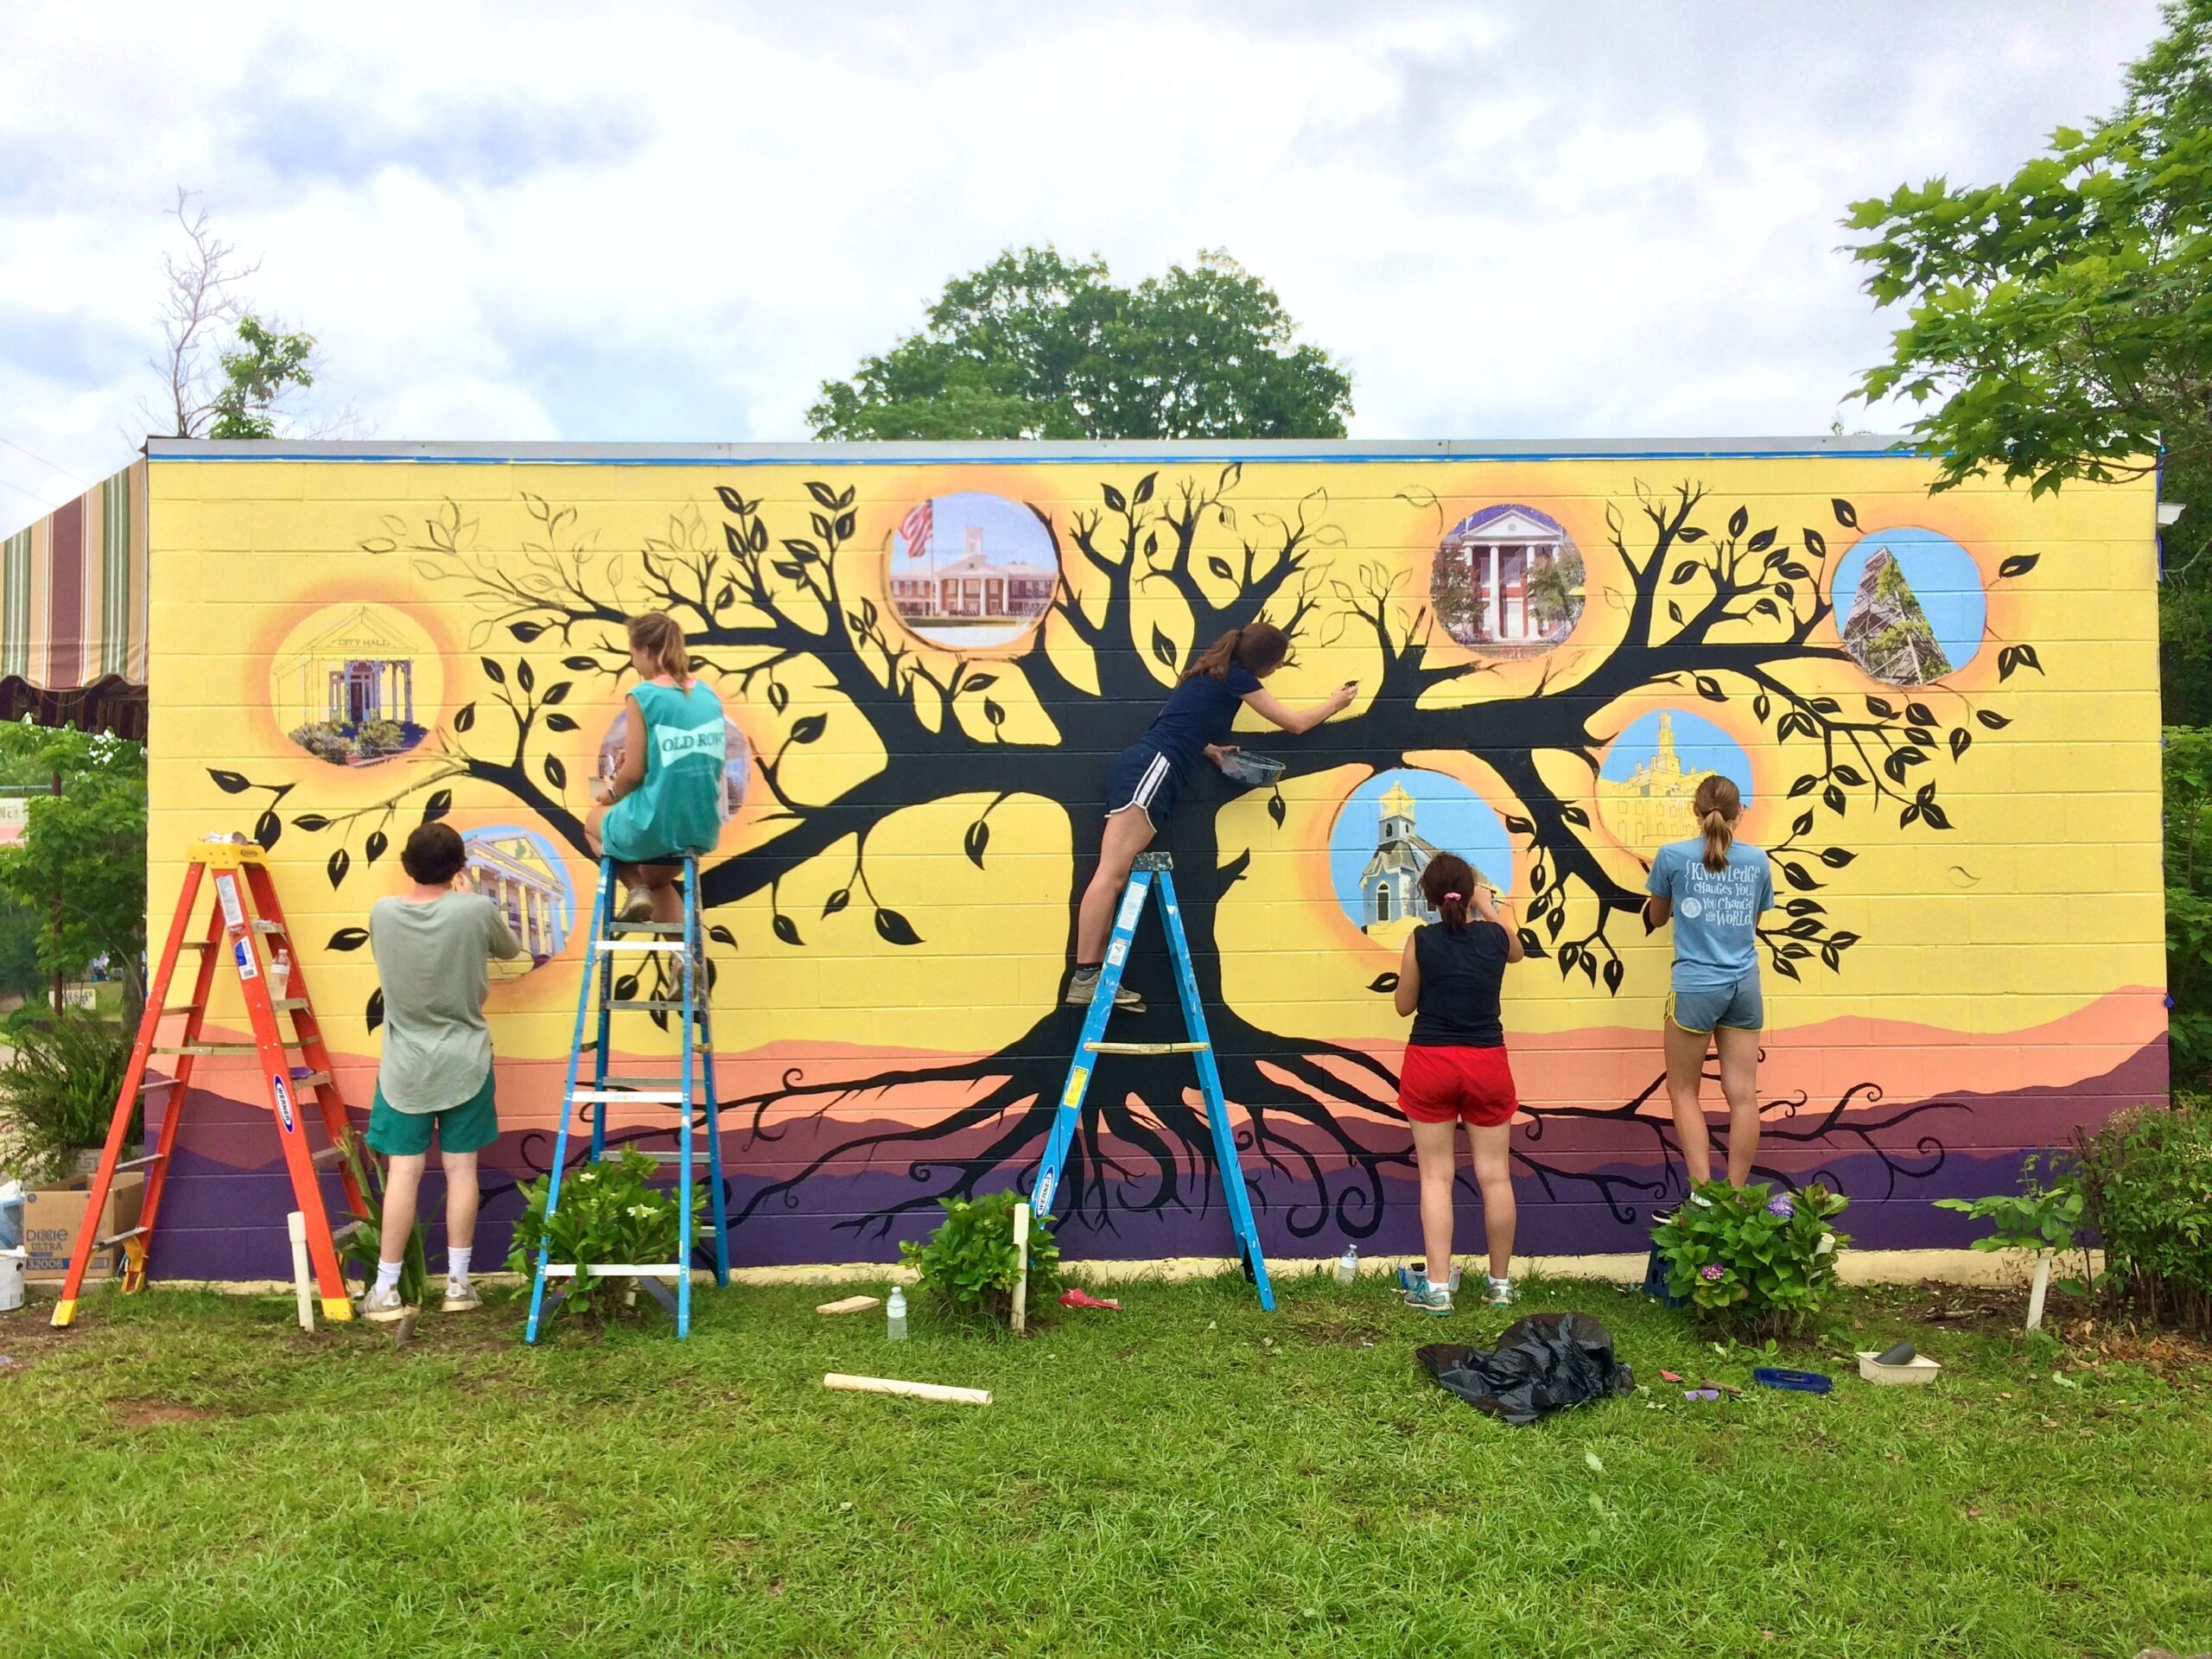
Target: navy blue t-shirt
[1200,710]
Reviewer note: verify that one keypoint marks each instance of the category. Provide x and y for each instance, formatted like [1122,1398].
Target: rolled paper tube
[938,1391]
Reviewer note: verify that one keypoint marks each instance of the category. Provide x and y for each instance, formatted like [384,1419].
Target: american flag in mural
[915,529]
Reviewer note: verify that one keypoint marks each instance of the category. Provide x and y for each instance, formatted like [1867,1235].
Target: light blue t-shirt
[1716,911]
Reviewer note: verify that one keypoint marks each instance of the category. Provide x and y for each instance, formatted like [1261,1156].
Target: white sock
[457,1263]
[387,1277]
[1500,1284]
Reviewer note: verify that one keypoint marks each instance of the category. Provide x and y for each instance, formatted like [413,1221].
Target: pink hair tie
[1455,897]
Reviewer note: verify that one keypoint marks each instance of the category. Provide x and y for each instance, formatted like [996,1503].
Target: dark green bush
[1752,1261]
[2147,1186]
[969,1265]
[59,1090]
[2188,904]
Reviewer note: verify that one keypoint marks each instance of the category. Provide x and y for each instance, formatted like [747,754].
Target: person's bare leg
[1494,1176]
[1129,832]
[1435,1148]
[659,882]
[1739,1082]
[1685,1077]
[593,819]
[402,1184]
[460,1197]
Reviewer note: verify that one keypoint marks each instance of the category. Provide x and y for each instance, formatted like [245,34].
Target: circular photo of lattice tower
[355,684]
[1507,581]
[970,571]
[1386,833]
[1909,605]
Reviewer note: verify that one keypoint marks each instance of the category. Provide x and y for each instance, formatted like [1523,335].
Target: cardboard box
[52,1215]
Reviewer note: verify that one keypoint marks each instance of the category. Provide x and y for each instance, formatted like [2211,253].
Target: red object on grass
[1072,1297]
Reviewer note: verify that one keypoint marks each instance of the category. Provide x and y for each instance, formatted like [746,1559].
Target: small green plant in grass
[364,1248]
[610,1212]
[60,1086]
[969,1265]
[2147,1186]
[1749,1260]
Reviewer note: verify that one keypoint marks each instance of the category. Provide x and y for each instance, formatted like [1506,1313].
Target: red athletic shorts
[1467,1085]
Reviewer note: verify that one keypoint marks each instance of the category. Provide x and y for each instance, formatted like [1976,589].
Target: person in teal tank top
[667,796]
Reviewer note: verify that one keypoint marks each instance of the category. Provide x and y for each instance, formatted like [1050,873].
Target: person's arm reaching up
[1272,708]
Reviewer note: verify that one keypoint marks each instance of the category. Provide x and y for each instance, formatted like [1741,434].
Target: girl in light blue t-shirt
[1713,888]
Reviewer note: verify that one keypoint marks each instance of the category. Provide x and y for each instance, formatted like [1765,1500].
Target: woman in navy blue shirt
[1140,792]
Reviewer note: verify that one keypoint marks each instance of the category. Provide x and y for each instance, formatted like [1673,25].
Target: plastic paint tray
[1918,1368]
[1248,768]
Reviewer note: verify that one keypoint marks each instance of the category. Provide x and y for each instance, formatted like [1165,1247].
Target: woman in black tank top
[1455,1071]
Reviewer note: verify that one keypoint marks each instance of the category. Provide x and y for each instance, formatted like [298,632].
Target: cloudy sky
[1522,218]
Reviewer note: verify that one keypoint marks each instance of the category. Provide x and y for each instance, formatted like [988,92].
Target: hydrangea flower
[1780,1204]
[1713,1272]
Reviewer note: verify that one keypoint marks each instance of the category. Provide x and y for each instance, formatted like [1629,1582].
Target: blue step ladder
[691,1094]
[1155,869]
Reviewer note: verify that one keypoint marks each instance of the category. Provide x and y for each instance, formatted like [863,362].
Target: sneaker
[1082,988]
[1425,1297]
[638,908]
[460,1299]
[382,1306]
[1502,1294]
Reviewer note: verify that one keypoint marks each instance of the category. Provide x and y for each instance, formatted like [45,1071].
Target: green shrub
[1752,1261]
[969,1265]
[2188,904]
[610,1212]
[61,1088]
[2044,1215]
[2146,1186]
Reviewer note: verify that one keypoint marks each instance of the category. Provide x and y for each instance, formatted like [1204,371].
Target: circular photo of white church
[1388,830]
[1506,581]
[971,570]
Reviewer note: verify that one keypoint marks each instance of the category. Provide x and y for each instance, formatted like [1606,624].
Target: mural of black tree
[1717,608]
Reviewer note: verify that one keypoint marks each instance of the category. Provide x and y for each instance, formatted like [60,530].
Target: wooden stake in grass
[297,1226]
[940,1391]
[1021,1268]
[849,1305]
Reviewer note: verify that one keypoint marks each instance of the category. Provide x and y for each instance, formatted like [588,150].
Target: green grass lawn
[190,1474]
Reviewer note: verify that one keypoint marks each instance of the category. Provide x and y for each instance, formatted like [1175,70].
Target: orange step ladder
[244,912]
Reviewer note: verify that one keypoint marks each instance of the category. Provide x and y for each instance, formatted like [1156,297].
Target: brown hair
[434,855]
[1447,883]
[658,632]
[1716,805]
[1257,648]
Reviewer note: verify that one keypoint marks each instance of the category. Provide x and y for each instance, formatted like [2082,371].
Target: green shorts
[469,1126]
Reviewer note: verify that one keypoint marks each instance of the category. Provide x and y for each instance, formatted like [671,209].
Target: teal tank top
[678,807]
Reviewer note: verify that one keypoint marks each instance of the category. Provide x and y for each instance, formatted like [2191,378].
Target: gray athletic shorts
[1727,1008]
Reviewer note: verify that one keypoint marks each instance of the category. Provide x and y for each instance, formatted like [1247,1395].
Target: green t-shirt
[677,807]
[432,958]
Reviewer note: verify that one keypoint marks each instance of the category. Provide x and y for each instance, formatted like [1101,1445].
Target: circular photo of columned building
[519,871]
[971,569]
[1506,581]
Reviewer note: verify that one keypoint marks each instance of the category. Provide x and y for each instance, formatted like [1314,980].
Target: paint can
[11,1278]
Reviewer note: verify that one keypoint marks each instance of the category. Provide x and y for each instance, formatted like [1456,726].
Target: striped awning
[73,595]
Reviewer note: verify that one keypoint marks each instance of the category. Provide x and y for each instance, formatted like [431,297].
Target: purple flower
[1780,1204]
[1712,1271]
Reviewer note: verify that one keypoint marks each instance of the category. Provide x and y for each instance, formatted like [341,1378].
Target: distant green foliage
[1035,346]
[2147,1180]
[2188,904]
[610,1212]
[1749,1260]
[255,374]
[970,1265]
[81,866]
[59,1089]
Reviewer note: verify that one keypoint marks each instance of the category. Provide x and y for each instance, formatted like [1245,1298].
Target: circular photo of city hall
[971,570]
[355,684]
[1506,581]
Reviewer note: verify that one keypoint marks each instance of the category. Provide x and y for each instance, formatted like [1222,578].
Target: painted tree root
[938,1391]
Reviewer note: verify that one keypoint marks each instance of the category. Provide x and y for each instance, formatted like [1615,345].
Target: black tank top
[1459,976]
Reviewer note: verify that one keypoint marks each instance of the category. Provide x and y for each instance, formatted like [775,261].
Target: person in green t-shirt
[432,943]
[667,797]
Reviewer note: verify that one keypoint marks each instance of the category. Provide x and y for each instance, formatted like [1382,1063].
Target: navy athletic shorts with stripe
[1145,779]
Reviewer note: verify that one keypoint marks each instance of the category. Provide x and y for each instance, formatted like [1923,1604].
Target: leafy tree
[240,392]
[1034,346]
[267,363]
[81,866]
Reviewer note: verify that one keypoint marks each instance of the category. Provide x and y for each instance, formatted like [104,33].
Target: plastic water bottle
[280,974]
[1348,1265]
[896,1311]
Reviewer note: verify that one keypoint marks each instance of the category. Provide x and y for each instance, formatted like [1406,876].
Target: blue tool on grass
[1771,1377]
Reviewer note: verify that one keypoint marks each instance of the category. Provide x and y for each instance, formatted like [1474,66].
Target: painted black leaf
[1805,784]
[1531,945]
[802,549]
[1850,775]
[1825,706]
[1919,714]
[267,829]
[732,501]
[1798,876]
[464,718]
[625,987]
[2018,565]
[1275,808]
[437,806]
[557,692]
[559,722]
[779,696]
[1233,871]
[1162,646]
[1760,543]
[1834,798]
[1959,739]
[1909,816]
[1143,491]
[341,861]
[992,713]
[822,528]
[1802,824]
[1805,927]
[823,493]
[348,939]
[1115,500]
[1804,906]
[978,682]
[374,1013]
[1797,569]
[1895,767]
[1815,543]
[1787,968]
[1843,941]
[1740,521]
[1709,689]
[844,525]
[1836,857]
[1385,984]
[1846,514]
[231,783]
[525,632]
[1576,815]
[580,664]
[756,539]
[1879,708]
[1828,958]
[1990,722]
[1683,573]
[524,678]
[1219,566]
[555,773]
[1555,921]
[976,840]
[895,929]
[1935,816]
[492,671]
[1762,706]
[836,901]
[373,849]
[1616,970]
[807,728]
[1569,954]
[310,822]
[1766,606]
[786,929]
[1674,612]
[1692,533]
[2014,656]
[1519,826]
[725,595]
[1920,735]
[722,935]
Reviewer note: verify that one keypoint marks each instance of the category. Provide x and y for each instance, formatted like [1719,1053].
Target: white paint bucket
[11,1280]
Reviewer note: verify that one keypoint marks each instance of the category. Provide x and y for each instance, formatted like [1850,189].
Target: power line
[44,462]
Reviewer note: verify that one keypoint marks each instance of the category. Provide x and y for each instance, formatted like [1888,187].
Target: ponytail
[1447,883]
[659,634]
[1257,648]
[1716,804]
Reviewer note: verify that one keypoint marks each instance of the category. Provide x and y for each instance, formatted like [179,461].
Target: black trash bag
[1543,1363]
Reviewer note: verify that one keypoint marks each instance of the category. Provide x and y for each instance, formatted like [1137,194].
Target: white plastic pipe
[2035,1289]
[296,1225]
[1021,1268]
[919,1390]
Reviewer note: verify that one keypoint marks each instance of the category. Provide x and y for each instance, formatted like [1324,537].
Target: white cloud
[1581,220]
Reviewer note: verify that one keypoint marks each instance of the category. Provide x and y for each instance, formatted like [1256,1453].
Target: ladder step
[205,1048]
[310,1079]
[183,1007]
[140,1163]
[616,1271]
[114,1239]
[649,1002]
[675,949]
[198,944]
[328,1158]
[1148,1048]
[261,926]
[633,1097]
[291,1002]
[159,1082]
[665,929]
[339,1234]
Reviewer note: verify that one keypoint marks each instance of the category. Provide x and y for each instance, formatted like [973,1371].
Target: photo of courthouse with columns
[513,873]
